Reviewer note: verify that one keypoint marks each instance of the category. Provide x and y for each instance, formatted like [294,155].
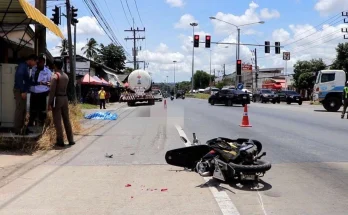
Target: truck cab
[328,89]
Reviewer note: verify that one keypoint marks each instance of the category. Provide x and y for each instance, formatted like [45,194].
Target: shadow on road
[251,186]
[325,111]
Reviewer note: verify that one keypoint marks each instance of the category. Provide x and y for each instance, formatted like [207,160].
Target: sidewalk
[13,163]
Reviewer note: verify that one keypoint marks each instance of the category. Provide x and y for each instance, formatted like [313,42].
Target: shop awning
[90,80]
[19,12]
[115,78]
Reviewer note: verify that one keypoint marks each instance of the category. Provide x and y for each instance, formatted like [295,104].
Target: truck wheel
[332,104]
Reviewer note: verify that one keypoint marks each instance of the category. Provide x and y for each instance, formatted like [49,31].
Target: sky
[306,28]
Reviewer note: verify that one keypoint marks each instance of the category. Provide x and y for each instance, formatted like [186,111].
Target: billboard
[247,68]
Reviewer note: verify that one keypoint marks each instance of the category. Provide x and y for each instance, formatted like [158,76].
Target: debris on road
[132,154]
[164,189]
[128,185]
[102,115]
[108,156]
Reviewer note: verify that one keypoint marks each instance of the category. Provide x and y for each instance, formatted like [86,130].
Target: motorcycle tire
[261,166]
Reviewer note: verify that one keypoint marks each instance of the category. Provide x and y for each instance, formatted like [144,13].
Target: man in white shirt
[40,80]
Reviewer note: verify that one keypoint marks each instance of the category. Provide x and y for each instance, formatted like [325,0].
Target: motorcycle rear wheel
[259,166]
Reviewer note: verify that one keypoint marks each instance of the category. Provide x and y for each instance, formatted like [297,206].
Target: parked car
[290,96]
[229,97]
[157,94]
[249,92]
[265,95]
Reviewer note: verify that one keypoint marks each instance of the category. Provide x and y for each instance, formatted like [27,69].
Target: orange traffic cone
[165,103]
[245,120]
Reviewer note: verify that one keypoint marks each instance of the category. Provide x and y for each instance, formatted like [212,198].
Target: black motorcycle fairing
[187,156]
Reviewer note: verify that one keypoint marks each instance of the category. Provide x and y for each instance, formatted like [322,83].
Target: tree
[91,49]
[303,73]
[185,85]
[128,70]
[63,48]
[113,56]
[341,61]
[201,79]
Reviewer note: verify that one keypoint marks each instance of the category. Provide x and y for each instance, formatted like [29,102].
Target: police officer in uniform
[40,79]
[58,103]
[345,100]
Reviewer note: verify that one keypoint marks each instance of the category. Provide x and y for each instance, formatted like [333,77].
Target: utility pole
[72,74]
[210,71]
[224,70]
[256,69]
[134,38]
[40,31]
[214,76]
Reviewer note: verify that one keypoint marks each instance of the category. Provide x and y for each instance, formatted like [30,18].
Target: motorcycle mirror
[183,139]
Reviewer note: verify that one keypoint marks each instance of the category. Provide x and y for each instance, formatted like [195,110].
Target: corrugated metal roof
[14,12]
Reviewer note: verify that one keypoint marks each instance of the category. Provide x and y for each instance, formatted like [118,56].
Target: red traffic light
[196,37]
[239,62]
[207,37]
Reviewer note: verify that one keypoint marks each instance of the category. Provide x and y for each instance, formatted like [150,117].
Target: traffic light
[196,41]
[73,15]
[239,67]
[267,47]
[277,47]
[55,15]
[207,41]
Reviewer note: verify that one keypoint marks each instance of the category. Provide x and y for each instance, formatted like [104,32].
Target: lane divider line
[223,200]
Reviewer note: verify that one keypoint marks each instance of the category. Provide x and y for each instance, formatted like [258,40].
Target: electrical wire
[130,11]
[125,14]
[136,5]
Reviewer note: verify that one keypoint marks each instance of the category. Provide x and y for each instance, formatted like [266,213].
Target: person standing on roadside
[345,100]
[58,103]
[102,95]
[40,80]
[20,90]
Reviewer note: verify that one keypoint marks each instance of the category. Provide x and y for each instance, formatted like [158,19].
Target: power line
[129,10]
[136,5]
[125,14]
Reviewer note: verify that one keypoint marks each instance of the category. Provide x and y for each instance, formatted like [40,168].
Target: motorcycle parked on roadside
[224,159]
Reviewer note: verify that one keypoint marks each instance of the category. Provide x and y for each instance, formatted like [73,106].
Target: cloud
[250,15]
[175,3]
[86,26]
[327,7]
[267,14]
[280,35]
[305,42]
[185,21]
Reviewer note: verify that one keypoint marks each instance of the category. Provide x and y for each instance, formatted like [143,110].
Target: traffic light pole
[72,81]
[256,69]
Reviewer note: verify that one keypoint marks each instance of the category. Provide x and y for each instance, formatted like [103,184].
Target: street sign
[286,55]
[247,68]
[240,86]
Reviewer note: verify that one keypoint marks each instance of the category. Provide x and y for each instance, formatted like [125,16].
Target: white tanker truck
[139,88]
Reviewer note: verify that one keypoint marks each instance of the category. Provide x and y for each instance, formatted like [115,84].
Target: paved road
[306,146]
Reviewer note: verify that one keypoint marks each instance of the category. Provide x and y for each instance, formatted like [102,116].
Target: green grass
[198,95]
[88,106]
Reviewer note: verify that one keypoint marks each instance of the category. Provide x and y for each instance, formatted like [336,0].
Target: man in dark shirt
[20,89]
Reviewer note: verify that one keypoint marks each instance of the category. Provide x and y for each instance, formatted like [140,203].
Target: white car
[158,95]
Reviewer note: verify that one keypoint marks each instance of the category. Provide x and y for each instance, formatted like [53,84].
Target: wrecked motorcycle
[222,158]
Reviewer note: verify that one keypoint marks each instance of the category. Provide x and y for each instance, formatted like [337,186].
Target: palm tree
[63,47]
[91,48]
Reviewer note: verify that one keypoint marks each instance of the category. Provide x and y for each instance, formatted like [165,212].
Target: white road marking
[261,203]
[223,200]
[182,134]
[225,203]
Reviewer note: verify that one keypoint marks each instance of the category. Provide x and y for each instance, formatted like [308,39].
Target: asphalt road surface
[307,147]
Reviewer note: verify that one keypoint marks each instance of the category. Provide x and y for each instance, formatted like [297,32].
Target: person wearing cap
[20,90]
[58,103]
[40,80]
[345,100]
